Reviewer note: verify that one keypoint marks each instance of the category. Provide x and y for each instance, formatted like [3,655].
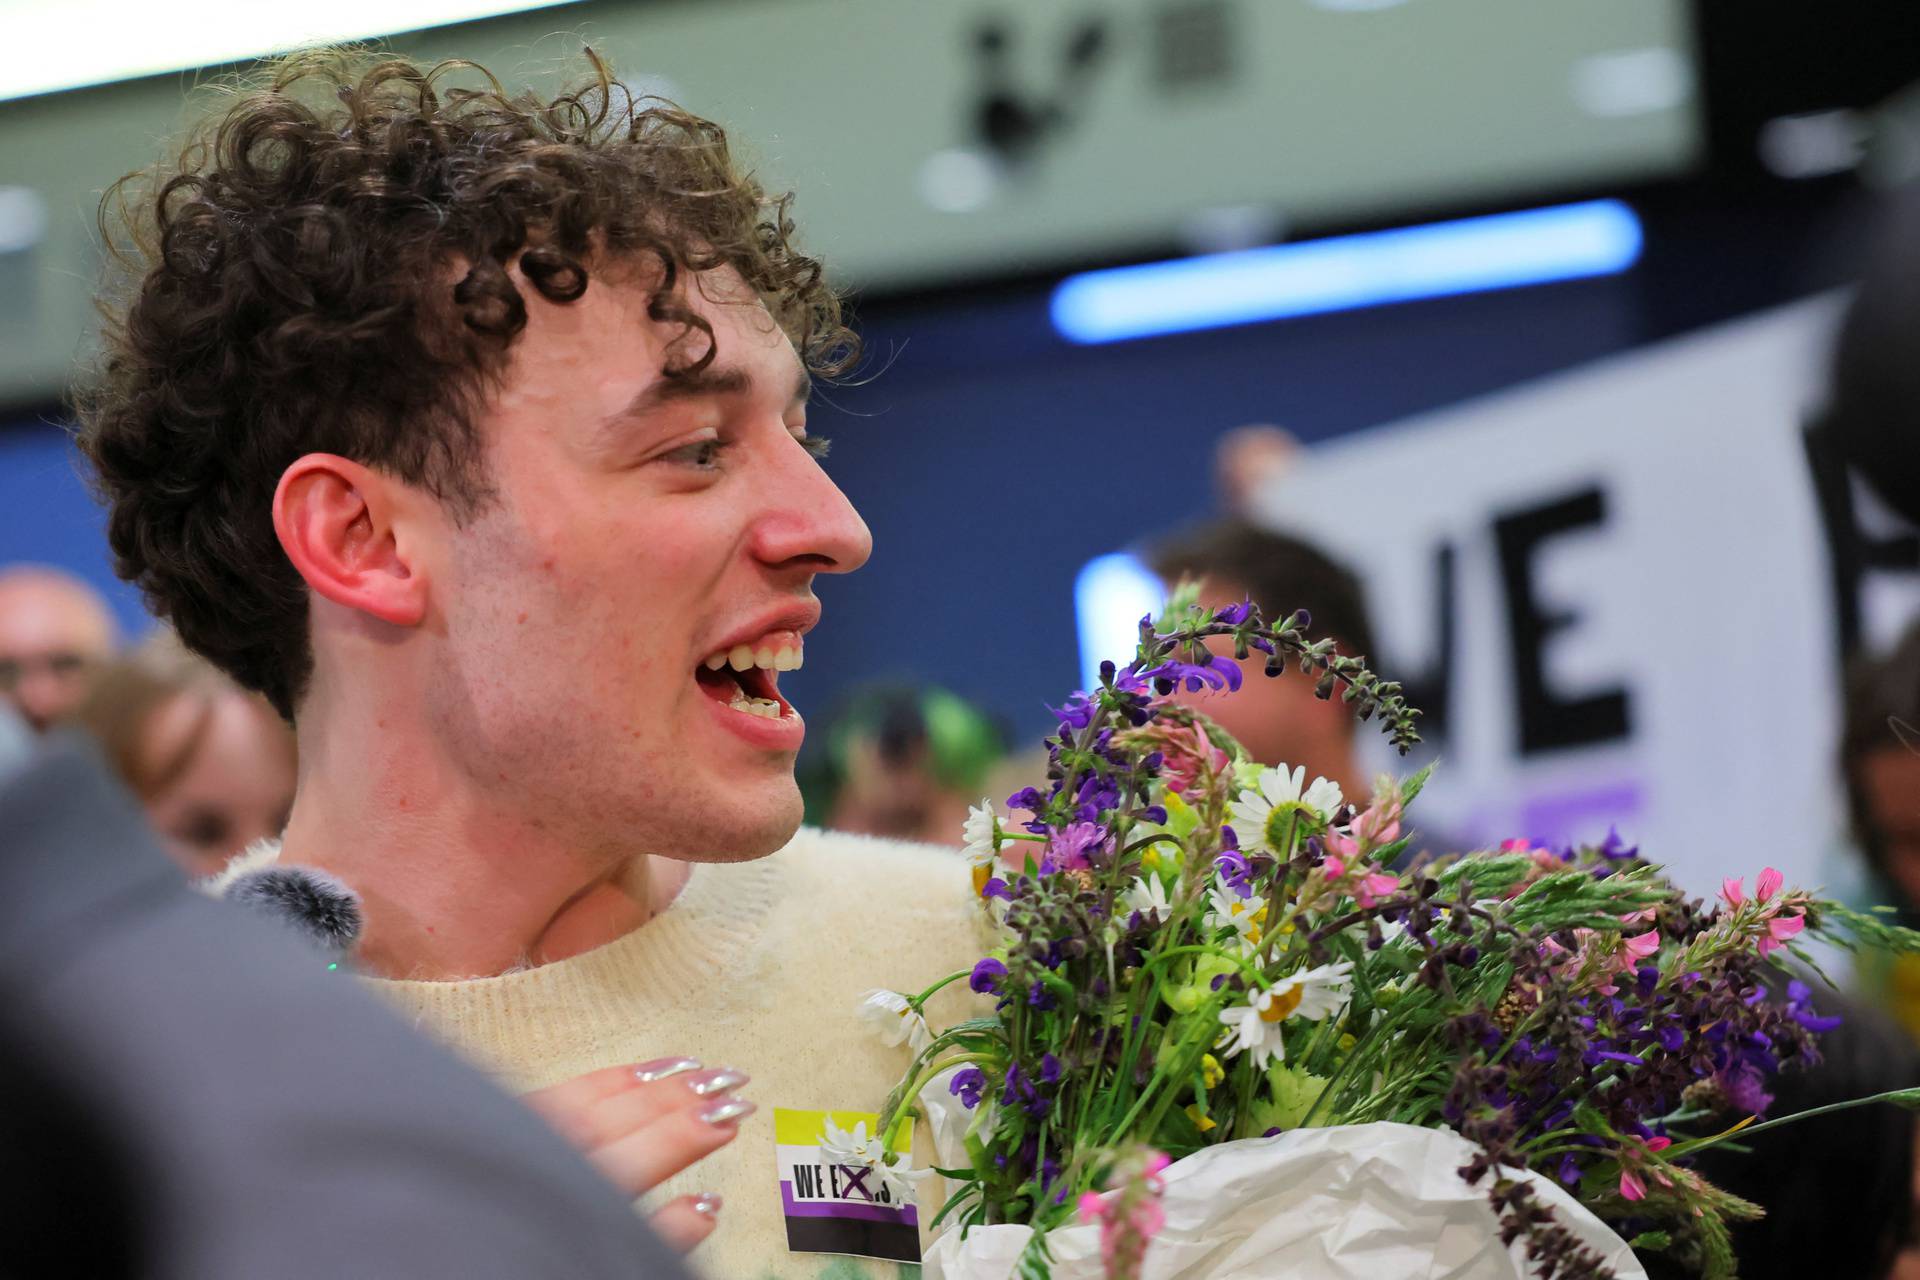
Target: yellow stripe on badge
[793,1128]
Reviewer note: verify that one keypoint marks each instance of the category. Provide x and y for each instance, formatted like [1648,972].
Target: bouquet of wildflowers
[1196,950]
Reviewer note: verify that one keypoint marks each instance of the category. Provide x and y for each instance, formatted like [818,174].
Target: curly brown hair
[325,269]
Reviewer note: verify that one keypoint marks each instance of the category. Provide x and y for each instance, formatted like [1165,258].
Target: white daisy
[1312,994]
[859,1151]
[1260,811]
[1148,896]
[889,1014]
[1245,916]
[980,842]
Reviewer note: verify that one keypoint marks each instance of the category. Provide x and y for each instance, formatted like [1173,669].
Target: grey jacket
[192,1094]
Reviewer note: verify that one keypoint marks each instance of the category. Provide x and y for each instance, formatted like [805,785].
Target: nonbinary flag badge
[838,1208]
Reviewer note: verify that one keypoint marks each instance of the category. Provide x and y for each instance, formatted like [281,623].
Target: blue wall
[48,516]
[993,460]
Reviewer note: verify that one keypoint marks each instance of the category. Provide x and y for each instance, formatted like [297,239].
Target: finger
[643,1160]
[613,1118]
[685,1222]
[565,1103]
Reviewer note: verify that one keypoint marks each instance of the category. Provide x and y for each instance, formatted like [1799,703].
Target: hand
[642,1124]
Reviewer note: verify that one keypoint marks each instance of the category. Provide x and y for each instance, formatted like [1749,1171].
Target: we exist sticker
[837,1207]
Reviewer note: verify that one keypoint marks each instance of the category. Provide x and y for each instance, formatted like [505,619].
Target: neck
[456,880]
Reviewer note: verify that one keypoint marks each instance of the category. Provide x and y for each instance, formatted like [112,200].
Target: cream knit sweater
[756,965]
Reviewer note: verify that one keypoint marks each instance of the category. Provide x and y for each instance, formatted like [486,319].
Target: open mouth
[746,678]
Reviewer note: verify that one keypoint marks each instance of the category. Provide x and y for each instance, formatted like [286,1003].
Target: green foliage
[1035,1261]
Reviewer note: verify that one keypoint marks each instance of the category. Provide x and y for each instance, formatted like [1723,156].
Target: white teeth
[741,657]
[765,708]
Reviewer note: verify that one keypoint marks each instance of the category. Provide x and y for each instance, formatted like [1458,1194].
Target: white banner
[1632,563]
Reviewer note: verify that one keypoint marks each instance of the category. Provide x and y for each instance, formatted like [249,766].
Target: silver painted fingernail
[727,1112]
[718,1080]
[661,1068]
[707,1204]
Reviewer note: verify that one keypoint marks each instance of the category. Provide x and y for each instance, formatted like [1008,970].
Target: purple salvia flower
[1615,849]
[1235,614]
[1233,868]
[986,976]
[1027,798]
[967,1085]
[1800,1009]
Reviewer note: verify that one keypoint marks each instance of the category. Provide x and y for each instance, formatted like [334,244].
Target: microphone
[319,908]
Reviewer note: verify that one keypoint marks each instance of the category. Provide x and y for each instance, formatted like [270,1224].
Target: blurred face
[1890,783]
[615,622]
[901,799]
[53,637]
[1274,719]
[227,771]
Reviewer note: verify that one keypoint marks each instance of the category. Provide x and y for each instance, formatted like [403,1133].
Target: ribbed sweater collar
[710,927]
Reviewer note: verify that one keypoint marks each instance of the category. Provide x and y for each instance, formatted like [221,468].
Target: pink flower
[1733,892]
[1516,846]
[1632,1186]
[1092,1207]
[1380,824]
[1374,887]
[1767,885]
[1147,1218]
[1157,1162]
[1638,948]
[1334,867]
[1779,929]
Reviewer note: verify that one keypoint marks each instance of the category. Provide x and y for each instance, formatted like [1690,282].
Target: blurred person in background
[55,632]
[211,763]
[1279,720]
[1249,459]
[1880,764]
[905,763]
[1871,422]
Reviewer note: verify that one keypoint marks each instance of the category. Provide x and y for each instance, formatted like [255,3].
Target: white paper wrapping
[1356,1202]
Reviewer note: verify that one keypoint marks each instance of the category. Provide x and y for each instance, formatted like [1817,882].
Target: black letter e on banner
[1548,720]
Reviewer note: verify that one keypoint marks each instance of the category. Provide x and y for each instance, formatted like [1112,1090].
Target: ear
[340,524]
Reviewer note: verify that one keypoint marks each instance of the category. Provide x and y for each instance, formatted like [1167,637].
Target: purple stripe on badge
[906,1214]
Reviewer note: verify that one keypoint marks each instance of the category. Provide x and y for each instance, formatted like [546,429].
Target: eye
[700,455]
[204,829]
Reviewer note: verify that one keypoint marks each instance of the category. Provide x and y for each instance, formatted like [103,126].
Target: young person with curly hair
[471,429]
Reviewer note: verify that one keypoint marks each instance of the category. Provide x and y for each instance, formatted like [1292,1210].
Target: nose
[808,522]
[45,696]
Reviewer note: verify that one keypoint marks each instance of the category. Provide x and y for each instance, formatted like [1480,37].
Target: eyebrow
[695,385]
